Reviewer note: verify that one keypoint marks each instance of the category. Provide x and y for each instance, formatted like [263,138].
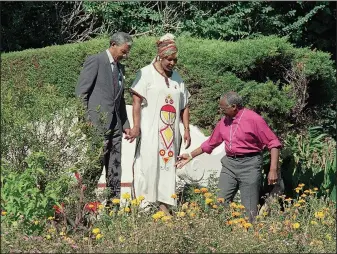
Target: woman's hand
[133,134]
[183,160]
[187,138]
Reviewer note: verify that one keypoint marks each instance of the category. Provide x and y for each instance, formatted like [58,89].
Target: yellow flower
[51,230]
[51,218]
[180,214]
[204,190]
[121,239]
[111,213]
[208,201]
[303,195]
[307,191]
[208,195]
[241,220]
[36,222]
[48,237]
[140,198]
[296,225]
[184,206]
[62,233]
[126,196]
[215,206]
[191,214]
[313,222]
[100,207]
[158,215]
[319,215]
[221,200]
[135,202]
[116,201]
[297,190]
[297,205]
[301,185]
[96,231]
[247,225]
[315,189]
[265,214]
[99,236]
[301,201]
[258,217]
[236,214]
[288,199]
[174,196]
[241,206]
[193,204]
[233,205]
[127,209]
[197,191]
[3,213]
[166,218]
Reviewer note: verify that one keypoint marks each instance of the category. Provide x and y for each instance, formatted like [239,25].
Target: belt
[244,155]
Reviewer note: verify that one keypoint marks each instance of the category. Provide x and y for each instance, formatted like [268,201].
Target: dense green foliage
[256,68]
[38,24]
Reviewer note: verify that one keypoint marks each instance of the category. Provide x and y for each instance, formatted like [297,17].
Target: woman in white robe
[160,102]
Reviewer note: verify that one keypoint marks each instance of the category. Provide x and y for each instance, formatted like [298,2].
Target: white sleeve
[140,86]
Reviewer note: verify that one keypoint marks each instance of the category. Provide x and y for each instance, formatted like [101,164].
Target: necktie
[115,75]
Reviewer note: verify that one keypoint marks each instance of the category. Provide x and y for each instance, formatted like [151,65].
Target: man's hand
[183,160]
[187,138]
[272,176]
[132,134]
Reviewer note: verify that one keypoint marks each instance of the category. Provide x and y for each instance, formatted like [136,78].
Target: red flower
[78,176]
[92,206]
[59,209]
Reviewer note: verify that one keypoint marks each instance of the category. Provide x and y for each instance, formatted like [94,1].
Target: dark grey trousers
[112,159]
[244,174]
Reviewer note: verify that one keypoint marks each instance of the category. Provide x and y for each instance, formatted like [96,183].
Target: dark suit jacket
[99,95]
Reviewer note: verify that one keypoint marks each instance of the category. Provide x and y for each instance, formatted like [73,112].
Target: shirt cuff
[206,148]
[274,144]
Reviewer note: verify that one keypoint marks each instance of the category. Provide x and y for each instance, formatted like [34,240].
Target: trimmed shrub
[256,68]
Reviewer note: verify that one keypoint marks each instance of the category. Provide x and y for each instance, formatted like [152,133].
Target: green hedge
[255,68]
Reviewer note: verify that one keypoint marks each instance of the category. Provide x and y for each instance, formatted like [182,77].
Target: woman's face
[169,62]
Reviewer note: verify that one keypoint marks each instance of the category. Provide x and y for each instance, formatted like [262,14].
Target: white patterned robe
[154,173]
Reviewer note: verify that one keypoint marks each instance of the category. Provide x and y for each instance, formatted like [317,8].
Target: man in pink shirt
[245,135]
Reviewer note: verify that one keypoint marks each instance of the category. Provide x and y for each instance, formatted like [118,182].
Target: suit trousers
[243,173]
[112,158]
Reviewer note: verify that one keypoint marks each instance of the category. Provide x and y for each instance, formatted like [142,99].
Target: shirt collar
[111,59]
[238,114]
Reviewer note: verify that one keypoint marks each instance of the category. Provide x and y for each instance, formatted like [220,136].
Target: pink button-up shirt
[248,133]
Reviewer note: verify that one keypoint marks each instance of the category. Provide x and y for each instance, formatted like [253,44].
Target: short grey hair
[121,38]
[233,98]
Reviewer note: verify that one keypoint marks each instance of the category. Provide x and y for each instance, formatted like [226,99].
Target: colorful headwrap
[166,45]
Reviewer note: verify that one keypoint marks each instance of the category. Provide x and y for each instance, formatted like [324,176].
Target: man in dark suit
[101,88]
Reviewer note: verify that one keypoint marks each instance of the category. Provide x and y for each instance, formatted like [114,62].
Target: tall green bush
[256,68]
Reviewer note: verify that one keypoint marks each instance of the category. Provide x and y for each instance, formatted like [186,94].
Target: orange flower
[204,190]
[221,200]
[174,196]
[92,206]
[59,209]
